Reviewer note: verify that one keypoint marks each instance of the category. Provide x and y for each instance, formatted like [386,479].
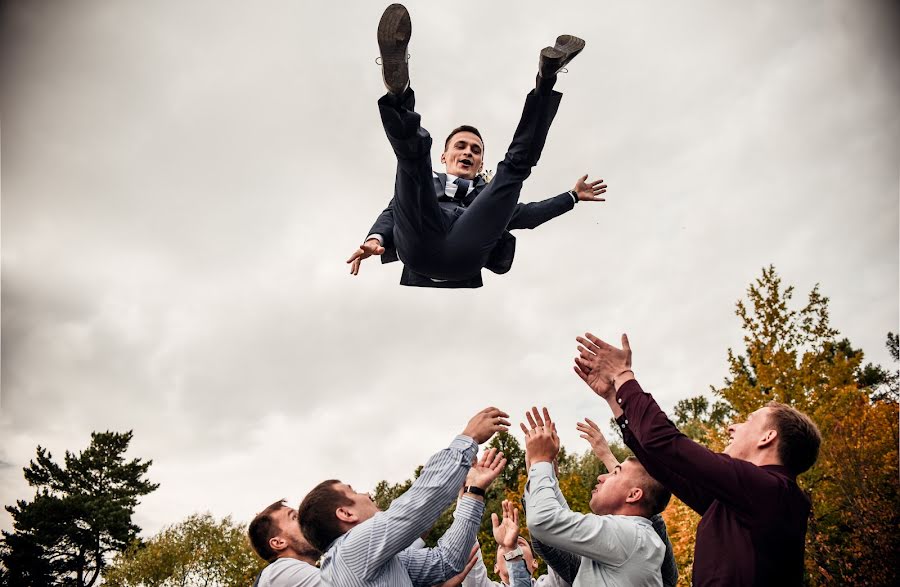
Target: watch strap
[474,490]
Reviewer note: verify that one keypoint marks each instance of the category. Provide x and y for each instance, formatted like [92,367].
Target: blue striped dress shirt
[376,554]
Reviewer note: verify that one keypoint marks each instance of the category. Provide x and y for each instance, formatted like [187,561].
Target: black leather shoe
[394,31]
[555,58]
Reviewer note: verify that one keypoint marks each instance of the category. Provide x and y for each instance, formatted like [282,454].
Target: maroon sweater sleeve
[691,494]
[704,473]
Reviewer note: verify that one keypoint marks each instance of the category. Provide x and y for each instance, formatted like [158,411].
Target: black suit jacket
[500,261]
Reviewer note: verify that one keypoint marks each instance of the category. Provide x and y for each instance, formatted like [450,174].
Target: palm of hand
[601,386]
[507,533]
[480,476]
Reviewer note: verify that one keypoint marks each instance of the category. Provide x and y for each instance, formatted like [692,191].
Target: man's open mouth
[465,162]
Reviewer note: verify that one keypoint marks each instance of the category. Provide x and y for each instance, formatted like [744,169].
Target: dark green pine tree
[81,512]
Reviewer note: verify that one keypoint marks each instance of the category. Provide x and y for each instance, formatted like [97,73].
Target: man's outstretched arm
[607,370]
[381,236]
[534,214]
[374,542]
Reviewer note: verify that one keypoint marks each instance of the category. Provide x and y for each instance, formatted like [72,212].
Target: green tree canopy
[81,512]
[196,552]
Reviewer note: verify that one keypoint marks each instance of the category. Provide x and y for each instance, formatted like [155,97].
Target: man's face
[527,556]
[746,436]
[363,505]
[613,488]
[289,530]
[463,156]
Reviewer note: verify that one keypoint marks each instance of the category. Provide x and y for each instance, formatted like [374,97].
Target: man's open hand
[365,250]
[599,363]
[486,469]
[589,192]
[506,532]
[485,423]
[541,441]
[592,433]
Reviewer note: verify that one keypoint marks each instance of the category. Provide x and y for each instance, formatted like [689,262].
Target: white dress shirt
[615,550]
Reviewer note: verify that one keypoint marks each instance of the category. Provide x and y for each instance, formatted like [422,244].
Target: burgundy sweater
[753,526]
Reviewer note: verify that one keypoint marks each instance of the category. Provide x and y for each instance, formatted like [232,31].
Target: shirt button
[626,421]
[623,426]
[619,400]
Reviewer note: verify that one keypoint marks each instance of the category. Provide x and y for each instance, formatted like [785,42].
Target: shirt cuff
[628,390]
[467,446]
[469,509]
[574,196]
[377,236]
[541,468]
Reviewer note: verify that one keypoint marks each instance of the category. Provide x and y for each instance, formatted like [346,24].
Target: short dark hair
[656,497]
[798,437]
[262,529]
[318,521]
[463,128]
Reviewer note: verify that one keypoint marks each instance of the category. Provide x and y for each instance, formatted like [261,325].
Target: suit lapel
[440,184]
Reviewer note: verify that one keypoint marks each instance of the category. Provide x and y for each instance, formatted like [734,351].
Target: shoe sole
[570,45]
[394,32]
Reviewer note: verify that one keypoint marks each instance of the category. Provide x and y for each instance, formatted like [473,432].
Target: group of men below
[752,530]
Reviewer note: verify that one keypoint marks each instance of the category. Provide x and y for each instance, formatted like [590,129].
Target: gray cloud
[183,183]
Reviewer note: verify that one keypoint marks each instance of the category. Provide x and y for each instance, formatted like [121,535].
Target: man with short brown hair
[754,515]
[446,227]
[276,537]
[366,547]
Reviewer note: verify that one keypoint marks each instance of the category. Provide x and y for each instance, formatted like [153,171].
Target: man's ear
[443,158]
[278,543]
[634,495]
[768,439]
[347,515]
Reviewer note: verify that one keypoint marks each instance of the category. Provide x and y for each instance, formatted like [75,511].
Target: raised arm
[377,540]
[607,370]
[599,446]
[534,214]
[595,537]
[428,565]
[380,239]
[563,566]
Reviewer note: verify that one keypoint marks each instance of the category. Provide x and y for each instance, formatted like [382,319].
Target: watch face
[513,553]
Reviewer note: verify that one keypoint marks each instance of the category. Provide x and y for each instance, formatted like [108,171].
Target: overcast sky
[182,182]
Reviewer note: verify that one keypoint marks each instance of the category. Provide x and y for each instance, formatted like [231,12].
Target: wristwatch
[513,554]
[474,490]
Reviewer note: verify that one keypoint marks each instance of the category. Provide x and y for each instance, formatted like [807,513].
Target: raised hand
[599,363]
[589,192]
[592,433]
[506,533]
[485,423]
[486,469]
[541,440]
[457,580]
[365,250]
